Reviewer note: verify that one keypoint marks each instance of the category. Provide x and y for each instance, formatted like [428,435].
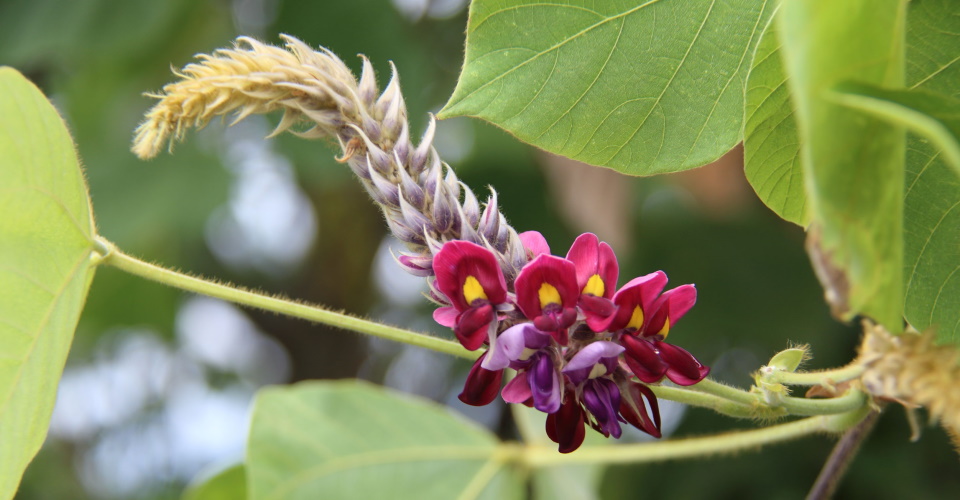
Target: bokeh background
[159,383]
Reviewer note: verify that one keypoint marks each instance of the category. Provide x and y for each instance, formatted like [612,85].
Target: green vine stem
[710,394]
[823,377]
[703,400]
[109,254]
[541,456]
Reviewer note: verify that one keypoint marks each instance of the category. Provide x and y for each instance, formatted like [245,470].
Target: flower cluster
[583,350]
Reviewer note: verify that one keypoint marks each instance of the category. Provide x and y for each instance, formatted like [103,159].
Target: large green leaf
[853,164]
[46,232]
[350,439]
[771,148]
[931,218]
[227,484]
[641,86]
[932,196]
[569,482]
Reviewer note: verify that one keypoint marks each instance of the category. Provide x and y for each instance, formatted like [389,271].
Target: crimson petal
[643,359]
[683,368]
[534,243]
[634,410]
[591,256]
[565,427]
[473,324]
[642,292]
[672,305]
[482,385]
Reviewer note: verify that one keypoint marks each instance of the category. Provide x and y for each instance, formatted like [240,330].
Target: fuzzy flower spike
[584,352]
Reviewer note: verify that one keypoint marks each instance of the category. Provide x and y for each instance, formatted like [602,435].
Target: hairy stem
[841,457]
[539,456]
[114,257]
[836,375]
[703,400]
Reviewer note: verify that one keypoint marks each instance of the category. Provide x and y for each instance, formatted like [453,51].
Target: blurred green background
[158,384]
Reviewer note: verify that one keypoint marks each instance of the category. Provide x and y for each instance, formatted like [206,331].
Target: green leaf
[227,484]
[932,199]
[45,266]
[931,218]
[853,165]
[570,482]
[350,439]
[934,116]
[640,86]
[771,147]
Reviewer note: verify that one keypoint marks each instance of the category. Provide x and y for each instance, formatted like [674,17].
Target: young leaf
[350,439]
[640,86]
[934,116]
[853,165]
[45,267]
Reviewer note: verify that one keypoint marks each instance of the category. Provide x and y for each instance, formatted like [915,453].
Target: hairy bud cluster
[423,201]
[912,369]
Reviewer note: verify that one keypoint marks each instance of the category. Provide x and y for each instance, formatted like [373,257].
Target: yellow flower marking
[548,295]
[472,290]
[636,319]
[595,286]
[666,328]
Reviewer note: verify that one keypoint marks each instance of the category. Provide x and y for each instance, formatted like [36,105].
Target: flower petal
[641,292]
[634,410]
[544,384]
[540,279]
[599,311]
[683,368]
[473,326]
[508,347]
[456,261]
[579,367]
[669,308]
[446,316]
[643,359]
[593,257]
[517,390]
[535,243]
[602,398]
[565,427]
[482,385]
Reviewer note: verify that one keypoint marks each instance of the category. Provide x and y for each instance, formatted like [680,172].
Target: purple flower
[587,372]
[527,350]
[597,272]
[547,293]
[470,278]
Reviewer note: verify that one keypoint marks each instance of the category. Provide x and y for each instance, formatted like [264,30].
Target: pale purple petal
[507,347]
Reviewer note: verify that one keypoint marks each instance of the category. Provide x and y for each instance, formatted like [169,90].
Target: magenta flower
[597,272]
[644,321]
[547,294]
[527,350]
[470,278]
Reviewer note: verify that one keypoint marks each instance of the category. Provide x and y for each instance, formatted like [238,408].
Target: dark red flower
[565,427]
